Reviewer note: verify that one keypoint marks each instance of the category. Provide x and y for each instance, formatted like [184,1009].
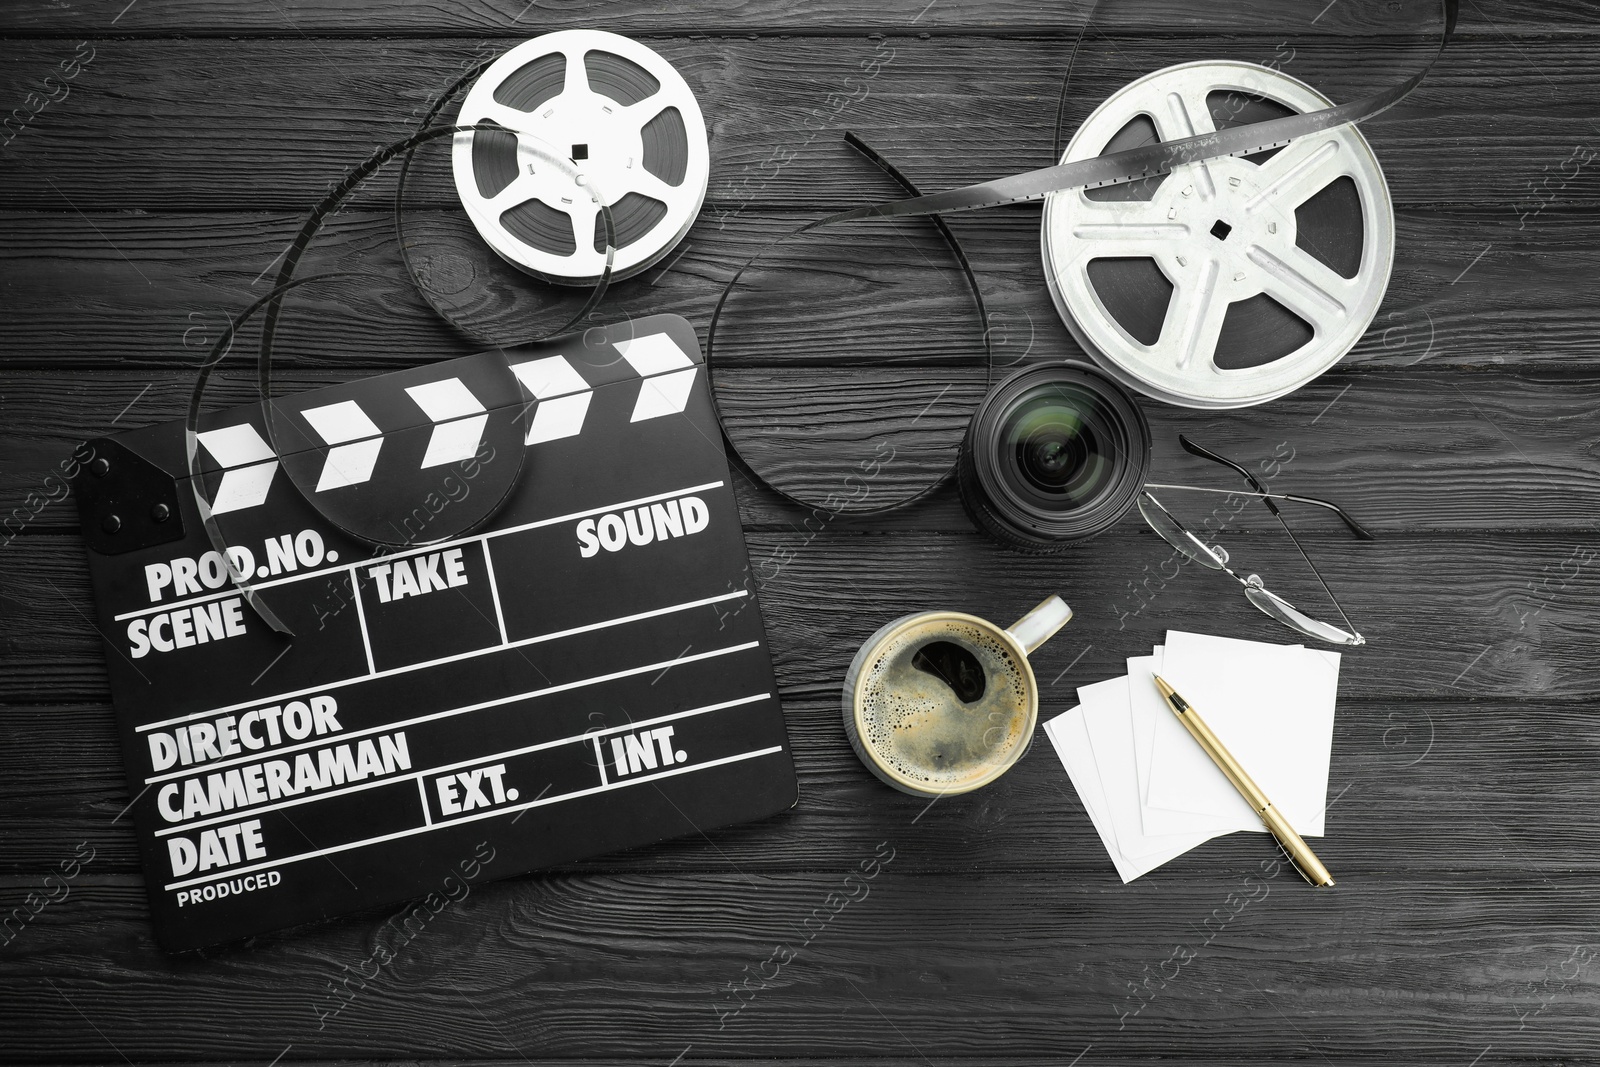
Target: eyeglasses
[1215,557]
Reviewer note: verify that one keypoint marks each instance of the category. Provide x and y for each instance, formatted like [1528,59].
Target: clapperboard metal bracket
[575,617]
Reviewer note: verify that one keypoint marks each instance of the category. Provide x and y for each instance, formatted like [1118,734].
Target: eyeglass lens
[1291,616]
[1173,533]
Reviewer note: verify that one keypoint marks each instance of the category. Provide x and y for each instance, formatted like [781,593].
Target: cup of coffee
[942,702]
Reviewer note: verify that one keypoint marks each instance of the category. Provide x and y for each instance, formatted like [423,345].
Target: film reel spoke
[1296,172]
[584,211]
[1306,287]
[575,84]
[640,113]
[641,181]
[1198,308]
[1182,111]
[1115,221]
[514,120]
[522,189]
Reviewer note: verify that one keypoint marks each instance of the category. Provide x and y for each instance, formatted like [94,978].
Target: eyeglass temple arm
[1354,527]
[1205,453]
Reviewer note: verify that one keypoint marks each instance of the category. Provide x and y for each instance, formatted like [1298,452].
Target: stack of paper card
[1150,789]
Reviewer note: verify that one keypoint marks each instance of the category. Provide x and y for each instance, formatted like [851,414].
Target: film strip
[1220,257]
[1134,164]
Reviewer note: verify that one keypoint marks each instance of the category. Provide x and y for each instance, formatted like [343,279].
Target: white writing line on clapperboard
[358,564]
[554,635]
[430,771]
[431,716]
[236,872]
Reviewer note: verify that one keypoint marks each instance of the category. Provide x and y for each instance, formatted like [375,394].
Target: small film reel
[1231,281]
[631,132]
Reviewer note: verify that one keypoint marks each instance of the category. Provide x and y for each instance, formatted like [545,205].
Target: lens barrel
[1055,454]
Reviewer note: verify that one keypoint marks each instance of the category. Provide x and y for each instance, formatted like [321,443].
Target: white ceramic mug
[942,702]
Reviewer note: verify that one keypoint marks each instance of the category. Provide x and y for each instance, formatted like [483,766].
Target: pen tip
[1161,684]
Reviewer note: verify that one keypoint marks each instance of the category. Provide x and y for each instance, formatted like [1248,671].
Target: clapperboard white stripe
[502,810]
[249,466]
[459,416]
[356,440]
[428,772]
[667,371]
[563,394]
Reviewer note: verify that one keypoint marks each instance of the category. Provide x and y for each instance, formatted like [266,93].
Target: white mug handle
[1040,624]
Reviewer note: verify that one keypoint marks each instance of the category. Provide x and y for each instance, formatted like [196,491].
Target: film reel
[1230,281]
[632,127]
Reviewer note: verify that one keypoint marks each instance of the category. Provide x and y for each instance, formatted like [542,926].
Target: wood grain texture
[143,208]
[151,292]
[492,17]
[60,784]
[1417,966]
[1496,450]
[1496,615]
[269,124]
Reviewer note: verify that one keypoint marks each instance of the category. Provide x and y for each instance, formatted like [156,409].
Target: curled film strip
[505,160]
[1232,324]
[374,530]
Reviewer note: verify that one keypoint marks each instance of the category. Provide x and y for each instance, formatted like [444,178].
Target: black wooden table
[146,192]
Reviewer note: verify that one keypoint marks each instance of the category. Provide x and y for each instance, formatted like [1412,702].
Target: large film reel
[1231,281]
[632,127]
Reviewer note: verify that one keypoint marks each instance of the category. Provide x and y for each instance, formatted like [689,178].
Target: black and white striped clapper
[501,571]
[365,453]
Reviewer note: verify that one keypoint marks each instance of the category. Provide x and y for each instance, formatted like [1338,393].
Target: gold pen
[1305,861]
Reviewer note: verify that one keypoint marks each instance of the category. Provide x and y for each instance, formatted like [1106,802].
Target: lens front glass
[1057,453]
[1057,447]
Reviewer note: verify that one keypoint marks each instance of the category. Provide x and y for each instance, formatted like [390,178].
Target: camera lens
[1053,435]
[1055,454]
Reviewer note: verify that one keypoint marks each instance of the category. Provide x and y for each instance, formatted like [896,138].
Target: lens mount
[1055,454]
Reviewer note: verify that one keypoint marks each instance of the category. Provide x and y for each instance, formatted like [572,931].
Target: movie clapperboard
[582,668]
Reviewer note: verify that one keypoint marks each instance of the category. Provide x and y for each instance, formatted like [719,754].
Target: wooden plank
[1415,968]
[269,124]
[479,17]
[150,292]
[1497,615]
[1482,451]
[1421,787]
[910,1059]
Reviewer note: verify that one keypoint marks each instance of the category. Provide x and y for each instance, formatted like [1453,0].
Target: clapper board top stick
[573,662]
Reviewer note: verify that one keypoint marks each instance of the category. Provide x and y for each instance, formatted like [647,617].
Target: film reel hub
[1231,281]
[589,118]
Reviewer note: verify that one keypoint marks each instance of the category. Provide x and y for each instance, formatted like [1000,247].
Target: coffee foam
[914,724]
